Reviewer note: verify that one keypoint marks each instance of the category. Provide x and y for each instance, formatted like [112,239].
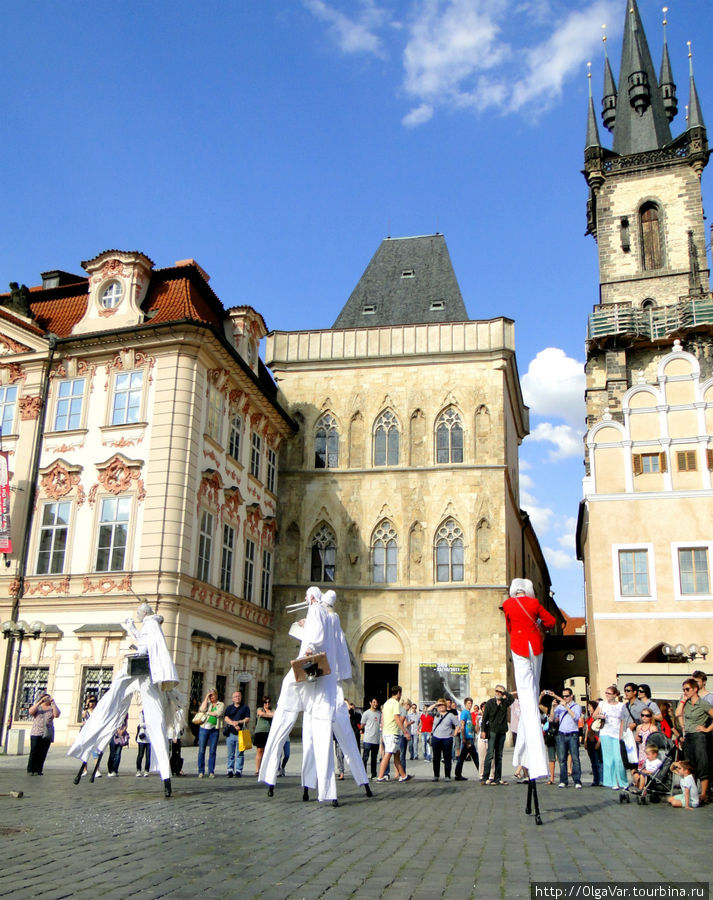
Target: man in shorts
[393,724]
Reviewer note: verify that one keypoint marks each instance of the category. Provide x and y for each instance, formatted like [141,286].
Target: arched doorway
[381,655]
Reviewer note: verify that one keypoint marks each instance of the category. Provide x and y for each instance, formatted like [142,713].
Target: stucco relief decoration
[46,587]
[30,407]
[59,480]
[65,448]
[219,378]
[13,588]
[122,442]
[106,313]
[233,502]
[118,475]
[128,359]
[269,530]
[209,454]
[8,345]
[209,490]
[71,367]
[104,585]
[11,372]
[256,420]
[254,492]
[237,398]
[252,521]
[212,597]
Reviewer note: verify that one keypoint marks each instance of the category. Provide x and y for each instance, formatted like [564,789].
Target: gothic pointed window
[384,554]
[449,552]
[326,443]
[651,243]
[324,555]
[386,440]
[449,437]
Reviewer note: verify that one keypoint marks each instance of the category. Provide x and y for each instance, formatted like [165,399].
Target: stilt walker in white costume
[151,672]
[526,619]
[290,704]
[341,726]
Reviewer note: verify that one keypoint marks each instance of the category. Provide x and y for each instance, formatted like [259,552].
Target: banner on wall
[5,542]
[447,680]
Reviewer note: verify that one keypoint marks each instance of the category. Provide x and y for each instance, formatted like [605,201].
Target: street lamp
[679,653]
[17,631]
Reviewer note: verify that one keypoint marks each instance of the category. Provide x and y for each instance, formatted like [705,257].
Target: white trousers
[530,747]
[318,757]
[109,714]
[344,733]
[282,724]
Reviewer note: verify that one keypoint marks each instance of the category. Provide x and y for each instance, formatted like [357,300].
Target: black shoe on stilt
[78,777]
[367,790]
[270,790]
[167,787]
[335,802]
[305,793]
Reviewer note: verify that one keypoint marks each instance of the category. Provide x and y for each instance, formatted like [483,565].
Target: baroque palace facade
[400,488]
[141,433]
[645,524]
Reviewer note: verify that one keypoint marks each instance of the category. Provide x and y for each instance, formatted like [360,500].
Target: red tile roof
[572,623]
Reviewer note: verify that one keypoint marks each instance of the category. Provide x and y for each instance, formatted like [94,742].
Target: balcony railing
[652,323]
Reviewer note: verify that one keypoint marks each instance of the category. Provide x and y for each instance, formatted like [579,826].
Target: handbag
[228,731]
[245,741]
[199,718]
[629,743]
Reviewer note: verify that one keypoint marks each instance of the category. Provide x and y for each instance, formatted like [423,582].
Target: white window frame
[271,470]
[235,445]
[112,523]
[6,405]
[205,545]
[689,545]
[255,454]
[53,530]
[227,558]
[249,571]
[616,574]
[130,392]
[266,579]
[214,414]
[68,400]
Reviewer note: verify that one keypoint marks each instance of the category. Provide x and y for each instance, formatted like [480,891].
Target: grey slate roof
[634,133]
[387,294]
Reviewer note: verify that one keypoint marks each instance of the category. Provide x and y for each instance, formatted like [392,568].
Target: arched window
[386,440]
[326,443]
[449,552]
[324,555]
[449,437]
[651,244]
[384,554]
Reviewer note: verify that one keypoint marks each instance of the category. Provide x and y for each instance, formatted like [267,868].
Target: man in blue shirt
[467,747]
[236,717]
[568,714]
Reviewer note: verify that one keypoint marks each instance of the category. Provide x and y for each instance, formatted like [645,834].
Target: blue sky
[278,141]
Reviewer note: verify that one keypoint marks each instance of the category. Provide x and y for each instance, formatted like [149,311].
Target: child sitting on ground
[647,766]
[689,798]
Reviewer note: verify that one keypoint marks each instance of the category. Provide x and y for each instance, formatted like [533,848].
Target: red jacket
[521,617]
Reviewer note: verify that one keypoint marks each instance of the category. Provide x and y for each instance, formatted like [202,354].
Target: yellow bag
[245,741]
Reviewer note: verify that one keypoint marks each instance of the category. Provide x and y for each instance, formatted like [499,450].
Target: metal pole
[14,688]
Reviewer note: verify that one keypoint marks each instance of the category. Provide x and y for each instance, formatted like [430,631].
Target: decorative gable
[118,282]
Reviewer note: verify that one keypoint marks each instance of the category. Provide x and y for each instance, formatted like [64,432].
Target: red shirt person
[525,618]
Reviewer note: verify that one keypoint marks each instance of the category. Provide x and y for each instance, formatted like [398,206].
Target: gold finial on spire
[665,10]
[589,77]
[686,112]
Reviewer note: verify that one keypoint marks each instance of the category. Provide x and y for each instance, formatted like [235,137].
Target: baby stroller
[658,784]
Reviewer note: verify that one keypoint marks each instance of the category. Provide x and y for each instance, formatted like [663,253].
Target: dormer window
[369,309]
[408,273]
[111,295]
[438,304]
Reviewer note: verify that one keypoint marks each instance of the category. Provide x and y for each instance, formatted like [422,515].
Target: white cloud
[353,35]
[418,115]
[540,516]
[561,54]
[559,559]
[567,440]
[504,55]
[554,386]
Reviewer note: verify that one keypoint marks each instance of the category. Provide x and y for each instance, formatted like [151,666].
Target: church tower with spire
[644,523]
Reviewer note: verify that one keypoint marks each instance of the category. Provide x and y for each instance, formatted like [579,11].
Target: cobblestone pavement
[119,837]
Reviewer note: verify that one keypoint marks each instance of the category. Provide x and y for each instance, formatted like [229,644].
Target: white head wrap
[522,586]
[313,593]
[329,598]
[143,610]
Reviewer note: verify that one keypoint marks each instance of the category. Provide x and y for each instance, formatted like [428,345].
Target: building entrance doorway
[378,681]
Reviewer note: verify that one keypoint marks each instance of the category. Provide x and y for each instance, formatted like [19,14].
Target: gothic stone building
[142,435]
[644,530]
[400,488]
